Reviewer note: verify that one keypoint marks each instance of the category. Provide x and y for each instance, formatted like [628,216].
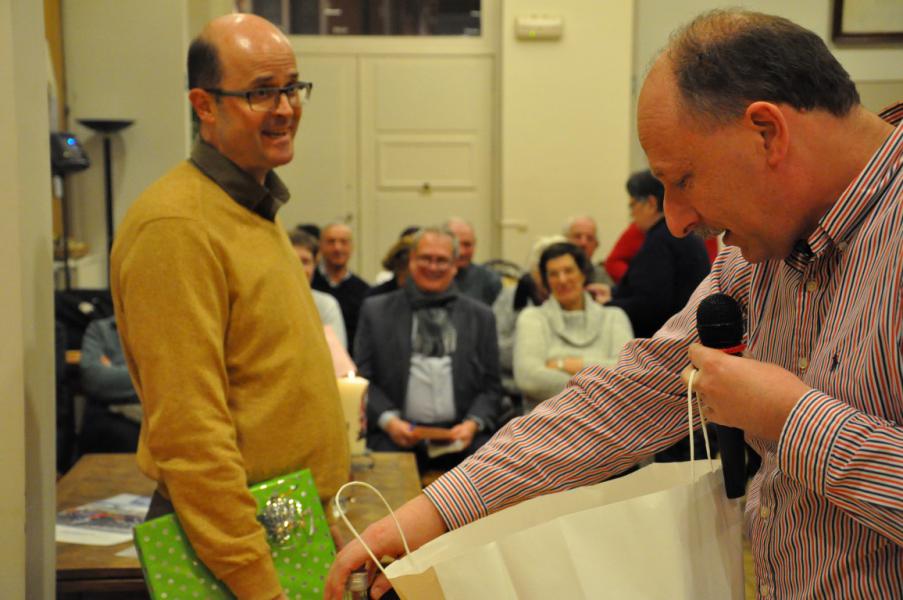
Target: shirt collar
[322,269]
[841,221]
[264,200]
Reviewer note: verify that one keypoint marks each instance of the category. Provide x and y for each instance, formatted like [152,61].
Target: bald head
[466,240]
[245,30]
[581,231]
[336,245]
[204,62]
[234,56]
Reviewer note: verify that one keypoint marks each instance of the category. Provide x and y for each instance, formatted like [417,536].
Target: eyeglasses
[440,262]
[266,99]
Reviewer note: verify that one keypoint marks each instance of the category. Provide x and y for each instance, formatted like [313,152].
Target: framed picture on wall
[868,21]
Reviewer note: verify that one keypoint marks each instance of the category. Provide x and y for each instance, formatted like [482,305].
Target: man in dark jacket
[431,356]
[666,270]
[333,275]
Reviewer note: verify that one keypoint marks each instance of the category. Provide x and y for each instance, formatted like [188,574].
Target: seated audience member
[112,419]
[431,356]
[388,274]
[334,277]
[568,332]
[472,280]
[529,291]
[666,270]
[581,231]
[629,244]
[395,262]
[306,247]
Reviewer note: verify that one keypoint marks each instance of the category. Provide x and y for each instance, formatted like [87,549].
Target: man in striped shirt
[755,130]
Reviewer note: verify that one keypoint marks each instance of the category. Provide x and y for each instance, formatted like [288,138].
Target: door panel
[427,162]
[425,147]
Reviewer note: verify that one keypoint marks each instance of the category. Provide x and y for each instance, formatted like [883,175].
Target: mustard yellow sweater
[227,353]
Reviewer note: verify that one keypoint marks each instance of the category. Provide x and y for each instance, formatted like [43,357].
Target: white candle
[351,391]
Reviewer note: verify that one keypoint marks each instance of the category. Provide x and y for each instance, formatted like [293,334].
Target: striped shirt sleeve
[851,458]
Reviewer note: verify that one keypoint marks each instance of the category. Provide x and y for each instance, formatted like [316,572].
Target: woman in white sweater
[568,332]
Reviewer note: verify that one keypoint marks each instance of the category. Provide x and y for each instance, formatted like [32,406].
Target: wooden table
[93,570]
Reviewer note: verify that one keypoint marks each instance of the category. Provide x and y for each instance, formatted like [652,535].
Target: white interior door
[425,137]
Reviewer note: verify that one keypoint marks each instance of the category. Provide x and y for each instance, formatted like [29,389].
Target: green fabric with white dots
[173,571]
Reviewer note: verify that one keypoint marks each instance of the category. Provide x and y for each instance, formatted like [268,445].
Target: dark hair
[409,230]
[561,249]
[642,184]
[725,59]
[204,70]
[311,228]
[301,238]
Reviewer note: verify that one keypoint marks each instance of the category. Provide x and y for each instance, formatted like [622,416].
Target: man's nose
[680,217]
[283,107]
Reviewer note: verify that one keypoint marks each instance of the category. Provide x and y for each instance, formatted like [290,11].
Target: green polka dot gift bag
[289,509]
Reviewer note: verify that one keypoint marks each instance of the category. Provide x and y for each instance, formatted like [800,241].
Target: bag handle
[705,433]
[341,512]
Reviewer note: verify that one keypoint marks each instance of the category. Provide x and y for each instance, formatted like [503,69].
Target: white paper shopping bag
[667,531]
[651,534]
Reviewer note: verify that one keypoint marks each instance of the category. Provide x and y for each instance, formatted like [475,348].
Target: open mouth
[275,134]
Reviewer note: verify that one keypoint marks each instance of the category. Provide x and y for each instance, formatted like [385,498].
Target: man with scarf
[431,356]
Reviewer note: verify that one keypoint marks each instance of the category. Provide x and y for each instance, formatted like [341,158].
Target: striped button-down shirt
[825,511]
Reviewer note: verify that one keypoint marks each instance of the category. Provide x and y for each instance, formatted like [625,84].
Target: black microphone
[719,322]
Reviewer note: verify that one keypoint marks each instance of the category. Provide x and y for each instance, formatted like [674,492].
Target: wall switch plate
[538,27]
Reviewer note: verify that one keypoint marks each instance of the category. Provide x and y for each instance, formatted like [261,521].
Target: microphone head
[719,321]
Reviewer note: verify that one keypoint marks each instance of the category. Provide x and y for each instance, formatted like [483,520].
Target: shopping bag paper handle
[341,512]
[705,433]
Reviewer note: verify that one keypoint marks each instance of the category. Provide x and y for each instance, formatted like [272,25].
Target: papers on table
[102,523]
[129,552]
[436,449]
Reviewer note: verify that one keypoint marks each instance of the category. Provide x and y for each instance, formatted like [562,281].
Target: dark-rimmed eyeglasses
[439,262]
[266,99]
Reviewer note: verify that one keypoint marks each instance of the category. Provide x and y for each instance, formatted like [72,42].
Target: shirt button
[842,246]
[811,285]
[764,590]
[764,511]
[803,363]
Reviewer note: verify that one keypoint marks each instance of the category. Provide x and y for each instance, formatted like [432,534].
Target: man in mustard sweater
[220,333]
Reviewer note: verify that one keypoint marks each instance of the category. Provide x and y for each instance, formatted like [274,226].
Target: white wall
[565,129]
[27,425]
[655,19]
[125,60]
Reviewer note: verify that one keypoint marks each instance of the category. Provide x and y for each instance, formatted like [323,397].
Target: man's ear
[770,124]
[203,104]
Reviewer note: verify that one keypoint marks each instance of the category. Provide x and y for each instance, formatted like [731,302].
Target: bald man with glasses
[221,336]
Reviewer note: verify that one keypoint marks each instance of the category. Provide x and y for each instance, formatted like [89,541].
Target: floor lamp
[107,127]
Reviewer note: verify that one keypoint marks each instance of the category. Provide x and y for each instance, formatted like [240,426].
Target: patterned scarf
[434,334]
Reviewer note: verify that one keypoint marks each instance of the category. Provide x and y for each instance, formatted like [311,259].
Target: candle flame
[351,374]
